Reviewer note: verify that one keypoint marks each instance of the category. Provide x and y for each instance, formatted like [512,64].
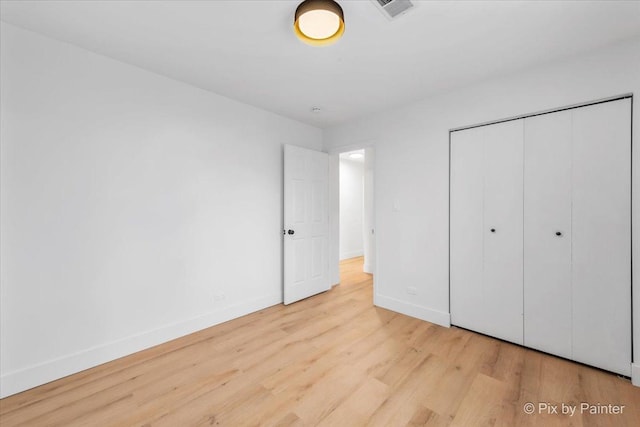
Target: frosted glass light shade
[319,22]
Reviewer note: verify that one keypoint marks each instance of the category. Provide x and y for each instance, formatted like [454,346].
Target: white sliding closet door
[601,260]
[486,229]
[547,212]
[541,232]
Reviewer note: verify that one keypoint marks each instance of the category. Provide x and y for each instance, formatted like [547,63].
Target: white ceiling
[246,50]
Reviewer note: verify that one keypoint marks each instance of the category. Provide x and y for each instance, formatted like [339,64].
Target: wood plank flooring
[330,360]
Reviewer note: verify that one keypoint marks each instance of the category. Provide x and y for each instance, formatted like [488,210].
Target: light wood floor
[333,360]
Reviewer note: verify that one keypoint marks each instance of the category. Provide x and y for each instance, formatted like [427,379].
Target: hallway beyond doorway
[351,271]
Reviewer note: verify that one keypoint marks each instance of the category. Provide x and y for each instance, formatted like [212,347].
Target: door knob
[290,232]
[558,233]
[493,230]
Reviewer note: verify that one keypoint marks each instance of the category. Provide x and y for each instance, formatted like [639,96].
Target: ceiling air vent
[394,8]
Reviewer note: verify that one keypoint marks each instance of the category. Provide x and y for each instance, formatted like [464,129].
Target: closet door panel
[601,270]
[547,211]
[466,229]
[503,252]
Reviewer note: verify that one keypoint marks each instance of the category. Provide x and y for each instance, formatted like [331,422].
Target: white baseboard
[635,374]
[434,316]
[367,268]
[24,379]
[351,254]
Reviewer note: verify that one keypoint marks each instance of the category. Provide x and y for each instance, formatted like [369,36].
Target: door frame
[334,210]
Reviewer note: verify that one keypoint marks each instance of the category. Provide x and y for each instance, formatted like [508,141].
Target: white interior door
[306,223]
[601,217]
[486,229]
[547,212]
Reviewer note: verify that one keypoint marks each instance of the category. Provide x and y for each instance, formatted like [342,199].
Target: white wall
[412,167]
[134,208]
[351,208]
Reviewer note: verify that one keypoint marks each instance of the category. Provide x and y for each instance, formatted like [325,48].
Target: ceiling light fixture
[319,22]
[356,155]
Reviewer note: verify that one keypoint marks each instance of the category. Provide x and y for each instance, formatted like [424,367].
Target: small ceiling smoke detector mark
[315,109]
[394,8]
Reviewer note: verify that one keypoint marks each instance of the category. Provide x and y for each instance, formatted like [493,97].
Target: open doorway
[356,233]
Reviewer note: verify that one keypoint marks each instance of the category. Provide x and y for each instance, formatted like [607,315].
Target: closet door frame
[555,110]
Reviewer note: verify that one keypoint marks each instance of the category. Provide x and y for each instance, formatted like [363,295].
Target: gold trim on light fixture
[326,10]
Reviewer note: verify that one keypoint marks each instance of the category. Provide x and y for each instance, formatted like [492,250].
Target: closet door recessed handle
[558,233]
[493,230]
